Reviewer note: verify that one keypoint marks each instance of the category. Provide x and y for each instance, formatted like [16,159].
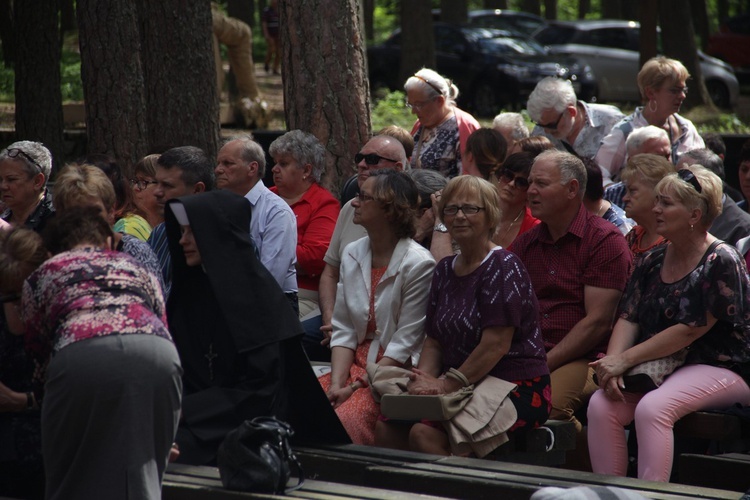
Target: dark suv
[492,68]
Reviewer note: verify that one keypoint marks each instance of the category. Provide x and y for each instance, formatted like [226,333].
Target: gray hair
[706,158]
[35,157]
[550,93]
[514,122]
[251,151]
[304,147]
[428,181]
[642,135]
[570,166]
[433,84]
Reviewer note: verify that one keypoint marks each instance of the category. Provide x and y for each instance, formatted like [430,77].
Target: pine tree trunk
[369,10]
[454,11]
[584,6]
[700,17]
[648,14]
[324,70]
[37,70]
[531,6]
[417,38]
[179,73]
[550,10]
[112,80]
[495,4]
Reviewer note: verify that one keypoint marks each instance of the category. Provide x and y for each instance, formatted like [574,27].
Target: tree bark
[37,72]
[722,8]
[7,38]
[648,14]
[678,40]
[454,11]
[612,9]
[417,38]
[324,70]
[700,18]
[112,80]
[550,10]
[531,6]
[584,6]
[495,4]
[179,73]
[67,16]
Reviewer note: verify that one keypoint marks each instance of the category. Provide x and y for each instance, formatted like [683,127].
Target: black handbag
[257,456]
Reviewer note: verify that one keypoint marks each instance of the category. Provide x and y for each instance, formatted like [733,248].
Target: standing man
[241,165]
[579,265]
[572,125]
[179,172]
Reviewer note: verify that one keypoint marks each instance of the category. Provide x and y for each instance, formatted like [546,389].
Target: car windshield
[555,35]
[511,46]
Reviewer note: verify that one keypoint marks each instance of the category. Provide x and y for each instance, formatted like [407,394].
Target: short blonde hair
[708,201]
[79,184]
[486,192]
[658,70]
[651,168]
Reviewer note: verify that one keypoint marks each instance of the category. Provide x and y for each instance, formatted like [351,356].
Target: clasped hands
[609,371]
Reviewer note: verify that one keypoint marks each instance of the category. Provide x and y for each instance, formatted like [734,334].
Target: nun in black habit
[238,338]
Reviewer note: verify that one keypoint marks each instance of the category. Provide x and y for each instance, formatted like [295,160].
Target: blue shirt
[160,246]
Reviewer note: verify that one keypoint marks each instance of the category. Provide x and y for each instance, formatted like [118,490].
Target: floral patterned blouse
[719,284]
[88,293]
[440,151]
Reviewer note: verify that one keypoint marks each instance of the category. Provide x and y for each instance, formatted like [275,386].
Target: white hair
[433,84]
[549,93]
[514,122]
[640,136]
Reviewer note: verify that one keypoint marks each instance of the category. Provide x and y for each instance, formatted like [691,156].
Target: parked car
[492,68]
[509,20]
[732,44]
[610,48]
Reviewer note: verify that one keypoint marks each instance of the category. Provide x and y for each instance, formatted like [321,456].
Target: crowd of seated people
[552,260]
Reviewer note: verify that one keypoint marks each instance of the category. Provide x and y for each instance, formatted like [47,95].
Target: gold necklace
[513,222]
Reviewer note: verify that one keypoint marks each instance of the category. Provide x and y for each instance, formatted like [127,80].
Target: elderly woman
[299,160]
[381,298]
[662,82]
[142,185]
[95,325]
[641,175]
[87,185]
[691,293]
[25,167]
[441,130]
[482,319]
[512,184]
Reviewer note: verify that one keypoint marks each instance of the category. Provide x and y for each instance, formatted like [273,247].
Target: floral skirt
[360,412]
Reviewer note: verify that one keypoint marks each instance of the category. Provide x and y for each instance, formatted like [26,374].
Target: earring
[691,227]
[654,107]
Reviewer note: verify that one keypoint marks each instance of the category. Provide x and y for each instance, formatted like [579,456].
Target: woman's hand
[613,389]
[11,400]
[338,395]
[422,383]
[610,367]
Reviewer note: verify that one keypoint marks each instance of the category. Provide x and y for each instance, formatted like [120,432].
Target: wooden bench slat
[730,471]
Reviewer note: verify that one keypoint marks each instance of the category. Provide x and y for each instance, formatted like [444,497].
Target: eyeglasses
[14,152]
[466,209]
[689,177]
[551,126]
[362,197]
[678,90]
[141,184]
[417,106]
[370,159]
[508,177]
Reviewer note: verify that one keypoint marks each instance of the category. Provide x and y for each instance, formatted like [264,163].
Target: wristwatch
[440,228]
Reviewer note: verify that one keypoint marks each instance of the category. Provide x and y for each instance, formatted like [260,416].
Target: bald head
[382,151]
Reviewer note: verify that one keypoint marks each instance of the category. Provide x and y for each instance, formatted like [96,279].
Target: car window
[555,35]
[511,46]
[615,38]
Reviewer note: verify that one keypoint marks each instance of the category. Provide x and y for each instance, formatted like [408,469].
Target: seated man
[649,139]
[579,265]
[572,125]
[512,126]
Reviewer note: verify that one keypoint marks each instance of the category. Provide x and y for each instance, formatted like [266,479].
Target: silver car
[610,48]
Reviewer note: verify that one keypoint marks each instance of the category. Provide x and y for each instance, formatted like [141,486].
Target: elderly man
[382,151]
[649,139]
[179,172]
[579,265]
[511,126]
[241,165]
[571,125]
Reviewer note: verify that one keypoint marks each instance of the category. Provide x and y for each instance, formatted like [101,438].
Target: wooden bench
[546,445]
[729,471]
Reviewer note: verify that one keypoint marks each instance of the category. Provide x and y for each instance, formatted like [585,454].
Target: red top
[316,214]
[593,252]
[528,222]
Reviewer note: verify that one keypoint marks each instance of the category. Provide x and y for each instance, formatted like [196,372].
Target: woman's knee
[425,438]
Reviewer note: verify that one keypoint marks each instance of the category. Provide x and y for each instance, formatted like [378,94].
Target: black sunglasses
[508,177]
[551,126]
[15,152]
[689,177]
[370,159]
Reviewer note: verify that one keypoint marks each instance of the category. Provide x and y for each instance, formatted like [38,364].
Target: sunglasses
[509,178]
[370,159]
[689,177]
[551,126]
[15,152]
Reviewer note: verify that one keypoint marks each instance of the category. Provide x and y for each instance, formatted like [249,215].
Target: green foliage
[7,84]
[390,110]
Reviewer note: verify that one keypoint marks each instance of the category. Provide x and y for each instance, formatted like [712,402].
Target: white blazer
[400,299]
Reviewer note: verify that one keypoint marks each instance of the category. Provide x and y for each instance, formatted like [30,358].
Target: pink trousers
[690,388]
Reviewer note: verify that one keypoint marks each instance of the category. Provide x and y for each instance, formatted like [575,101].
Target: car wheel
[719,93]
[484,101]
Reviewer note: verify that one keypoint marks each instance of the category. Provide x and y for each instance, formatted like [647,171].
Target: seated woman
[641,175]
[107,374]
[236,332]
[299,160]
[694,293]
[142,185]
[593,199]
[442,129]
[81,185]
[482,319]
[381,298]
[25,167]
[485,151]
[512,184]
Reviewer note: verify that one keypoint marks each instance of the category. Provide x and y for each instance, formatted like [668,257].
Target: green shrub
[390,110]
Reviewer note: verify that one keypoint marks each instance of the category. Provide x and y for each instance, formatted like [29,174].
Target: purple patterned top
[497,293]
[88,293]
